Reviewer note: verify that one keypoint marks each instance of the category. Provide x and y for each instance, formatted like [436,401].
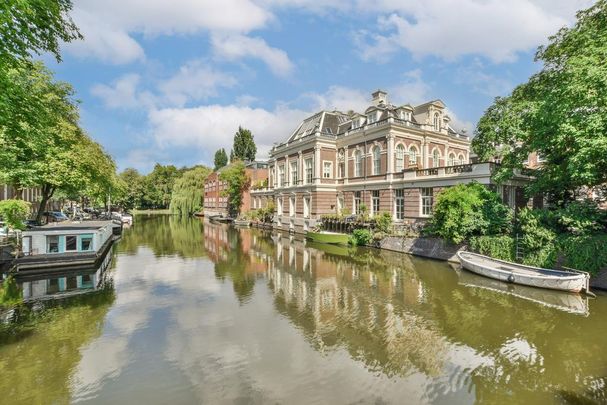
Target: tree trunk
[47,193]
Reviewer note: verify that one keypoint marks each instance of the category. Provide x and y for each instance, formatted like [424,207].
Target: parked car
[55,216]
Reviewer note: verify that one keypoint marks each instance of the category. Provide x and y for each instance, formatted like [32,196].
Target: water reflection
[204,313]
[403,317]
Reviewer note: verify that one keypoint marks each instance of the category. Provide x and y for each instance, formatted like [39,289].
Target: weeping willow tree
[188,192]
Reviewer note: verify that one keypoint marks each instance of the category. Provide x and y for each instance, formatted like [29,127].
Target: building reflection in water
[401,316]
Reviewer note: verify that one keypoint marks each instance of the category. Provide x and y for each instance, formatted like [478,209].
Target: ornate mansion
[388,159]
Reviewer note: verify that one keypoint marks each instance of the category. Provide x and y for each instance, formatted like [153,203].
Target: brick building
[390,158]
[217,204]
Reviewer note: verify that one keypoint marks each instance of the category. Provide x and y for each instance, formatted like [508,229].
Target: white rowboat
[525,275]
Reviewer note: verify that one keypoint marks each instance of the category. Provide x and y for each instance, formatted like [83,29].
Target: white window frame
[306,206]
[292,204]
[426,201]
[376,155]
[325,174]
[399,204]
[451,160]
[357,202]
[294,173]
[279,207]
[437,122]
[399,157]
[281,175]
[358,163]
[436,157]
[413,153]
[375,200]
[462,159]
[309,165]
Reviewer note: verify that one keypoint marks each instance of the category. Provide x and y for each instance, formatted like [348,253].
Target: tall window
[357,201]
[281,176]
[376,160]
[400,157]
[358,164]
[294,173]
[340,204]
[372,117]
[306,207]
[327,169]
[279,209]
[399,203]
[341,170]
[309,171]
[462,160]
[435,158]
[412,155]
[375,202]
[436,122]
[451,161]
[355,123]
[427,200]
[292,206]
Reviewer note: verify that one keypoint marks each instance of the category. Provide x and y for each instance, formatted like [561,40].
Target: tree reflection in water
[39,353]
[400,315]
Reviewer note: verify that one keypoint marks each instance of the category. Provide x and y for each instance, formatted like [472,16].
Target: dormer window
[355,123]
[372,117]
[436,122]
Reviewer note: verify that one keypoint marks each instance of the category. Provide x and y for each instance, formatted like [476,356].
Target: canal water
[202,313]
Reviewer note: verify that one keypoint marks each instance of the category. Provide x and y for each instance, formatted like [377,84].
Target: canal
[204,313]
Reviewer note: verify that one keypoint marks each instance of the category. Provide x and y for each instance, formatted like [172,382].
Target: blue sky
[170,82]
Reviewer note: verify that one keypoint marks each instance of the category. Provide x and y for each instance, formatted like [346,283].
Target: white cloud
[103,40]
[450,29]
[123,93]
[195,81]
[108,25]
[413,89]
[211,127]
[339,98]
[233,47]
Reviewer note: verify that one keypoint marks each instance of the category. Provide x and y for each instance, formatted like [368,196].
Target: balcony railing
[458,169]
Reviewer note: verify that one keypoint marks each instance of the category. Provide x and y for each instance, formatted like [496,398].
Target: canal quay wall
[438,249]
[432,248]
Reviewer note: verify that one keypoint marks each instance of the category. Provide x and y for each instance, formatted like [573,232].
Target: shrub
[587,253]
[383,222]
[580,218]
[9,292]
[500,247]
[14,212]
[466,210]
[361,237]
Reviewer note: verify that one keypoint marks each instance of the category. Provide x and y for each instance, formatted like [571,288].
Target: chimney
[379,97]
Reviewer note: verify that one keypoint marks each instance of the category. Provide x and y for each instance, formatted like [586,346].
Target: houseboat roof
[71,226]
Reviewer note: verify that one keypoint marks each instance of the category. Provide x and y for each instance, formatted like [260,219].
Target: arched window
[413,155]
[376,160]
[358,163]
[435,157]
[436,122]
[451,161]
[400,157]
[462,159]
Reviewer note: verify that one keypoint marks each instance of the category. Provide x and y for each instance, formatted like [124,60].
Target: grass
[165,211]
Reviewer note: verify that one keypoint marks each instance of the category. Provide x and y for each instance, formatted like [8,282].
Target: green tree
[159,186]
[41,144]
[560,113]
[244,146]
[131,195]
[34,26]
[14,212]
[188,192]
[466,210]
[237,182]
[221,159]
